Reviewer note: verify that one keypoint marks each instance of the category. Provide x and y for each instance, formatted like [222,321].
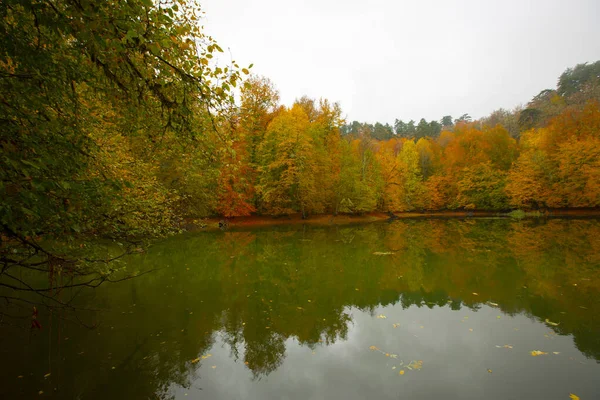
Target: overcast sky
[385,59]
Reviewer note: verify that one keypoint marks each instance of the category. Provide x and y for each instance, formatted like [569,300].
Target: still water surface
[415,309]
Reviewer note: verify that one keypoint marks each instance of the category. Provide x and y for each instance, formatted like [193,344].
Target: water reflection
[261,296]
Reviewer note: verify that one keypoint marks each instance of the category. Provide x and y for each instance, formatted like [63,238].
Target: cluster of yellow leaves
[536,353]
[196,360]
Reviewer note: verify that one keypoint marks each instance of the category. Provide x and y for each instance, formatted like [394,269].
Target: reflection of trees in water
[262,288]
[265,352]
[433,263]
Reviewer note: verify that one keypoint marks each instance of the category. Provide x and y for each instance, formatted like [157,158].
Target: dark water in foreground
[416,309]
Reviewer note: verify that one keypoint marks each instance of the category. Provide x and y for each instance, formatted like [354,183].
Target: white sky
[385,59]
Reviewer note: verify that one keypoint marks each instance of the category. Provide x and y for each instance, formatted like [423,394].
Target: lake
[419,309]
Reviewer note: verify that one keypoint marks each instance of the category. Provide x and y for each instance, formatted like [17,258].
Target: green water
[333,312]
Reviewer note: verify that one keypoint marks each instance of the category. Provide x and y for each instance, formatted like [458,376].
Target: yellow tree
[412,178]
[286,182]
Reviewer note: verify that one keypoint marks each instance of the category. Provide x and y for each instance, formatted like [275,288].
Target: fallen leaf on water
[551,323]
[537,353]
[47,375]
[556,352]
[245,362]
[401,372]
[393,355]
[387,354]
[475,294]
[395,325]
[415,365]
[394,367]
[381,316]
[20,377]
[421,327]
[195,360]
[493,304]
[573,396]
[206,356]
[214,367]
[507,346]
[489,370]
[470,329]
[498,317]
[373,348]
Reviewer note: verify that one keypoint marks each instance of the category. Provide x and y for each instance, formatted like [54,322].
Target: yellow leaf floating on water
[556,352]
[47,375]
[551,323]
[475,294]
[415,365]
[401,372]
[536,353]
[470,329]
[373,348]
[508,346]
[381,316]
[489,370]
[206,356]
[214,367]
[573,396]
[395,325]
[195,360]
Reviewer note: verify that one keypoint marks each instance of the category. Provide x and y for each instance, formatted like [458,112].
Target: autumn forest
[124,124]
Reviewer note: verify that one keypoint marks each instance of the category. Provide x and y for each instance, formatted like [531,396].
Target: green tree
[79,78]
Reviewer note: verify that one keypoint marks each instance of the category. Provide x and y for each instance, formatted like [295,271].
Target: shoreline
[212,223]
